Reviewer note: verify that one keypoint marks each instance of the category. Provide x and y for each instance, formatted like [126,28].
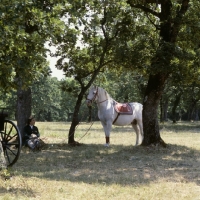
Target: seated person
[30,133]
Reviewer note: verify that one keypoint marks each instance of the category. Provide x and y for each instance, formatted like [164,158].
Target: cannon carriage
[10,139]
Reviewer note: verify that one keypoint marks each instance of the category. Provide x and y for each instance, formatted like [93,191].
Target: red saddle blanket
[123,108]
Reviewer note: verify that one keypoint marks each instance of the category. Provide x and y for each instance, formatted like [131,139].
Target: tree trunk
[196,116]
[89,113]
[169,29]
[153,94]
[156,82]
[39,115]
[165,109]
[49,117]
[175,105]
[161,111]
[24,99]
[192,110]
[75,118]
[2,159]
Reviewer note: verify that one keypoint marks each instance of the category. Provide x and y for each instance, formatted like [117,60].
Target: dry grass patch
[122,171]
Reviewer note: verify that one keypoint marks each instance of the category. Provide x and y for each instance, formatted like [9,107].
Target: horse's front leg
[107,129]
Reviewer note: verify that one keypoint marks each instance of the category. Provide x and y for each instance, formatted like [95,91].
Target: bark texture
[160,66]
[150,110]
[24,99]
[75,118]
[2,158]
[175,105]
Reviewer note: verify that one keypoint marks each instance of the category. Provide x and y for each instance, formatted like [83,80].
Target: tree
[25,27]
[171,16]
[46,99]
[119,36]
[98,34]
[21,59]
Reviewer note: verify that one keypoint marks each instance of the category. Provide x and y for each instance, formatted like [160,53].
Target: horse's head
[92,95]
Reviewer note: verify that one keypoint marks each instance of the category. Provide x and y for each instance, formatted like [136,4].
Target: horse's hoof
[106,145]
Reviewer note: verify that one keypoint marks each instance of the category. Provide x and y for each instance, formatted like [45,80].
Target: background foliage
[54,100]
[91,35]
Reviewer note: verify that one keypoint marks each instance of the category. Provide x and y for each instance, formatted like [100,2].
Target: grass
[94,172]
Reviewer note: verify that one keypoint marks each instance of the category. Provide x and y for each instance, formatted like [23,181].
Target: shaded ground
[124,169]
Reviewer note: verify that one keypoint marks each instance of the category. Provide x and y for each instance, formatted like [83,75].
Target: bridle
[94,97]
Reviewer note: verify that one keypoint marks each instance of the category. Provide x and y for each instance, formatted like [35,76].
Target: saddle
[123,108]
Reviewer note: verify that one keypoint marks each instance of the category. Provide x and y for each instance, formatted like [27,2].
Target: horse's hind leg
[141,129]
[136,128]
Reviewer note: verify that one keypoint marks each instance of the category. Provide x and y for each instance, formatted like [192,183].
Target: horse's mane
[102,92]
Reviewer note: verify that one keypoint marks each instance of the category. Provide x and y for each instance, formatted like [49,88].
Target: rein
[103,101]
[86,132]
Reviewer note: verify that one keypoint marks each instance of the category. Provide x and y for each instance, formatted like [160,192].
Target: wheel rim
[11,142]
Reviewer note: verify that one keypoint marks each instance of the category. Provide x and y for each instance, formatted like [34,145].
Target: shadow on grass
[5,191]
[180,126]
[118,164]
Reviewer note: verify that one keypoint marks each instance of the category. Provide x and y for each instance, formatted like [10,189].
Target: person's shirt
[28,131]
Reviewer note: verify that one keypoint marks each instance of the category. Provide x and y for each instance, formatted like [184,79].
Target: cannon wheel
[11,142]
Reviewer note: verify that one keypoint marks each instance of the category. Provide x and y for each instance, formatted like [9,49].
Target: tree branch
[103,22]
[153,1]
[178,19]
[145,9]
[156,26]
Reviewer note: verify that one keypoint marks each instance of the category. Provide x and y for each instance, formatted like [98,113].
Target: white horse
[111,112]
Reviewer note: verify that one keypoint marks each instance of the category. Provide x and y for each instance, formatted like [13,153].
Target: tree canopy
[156,41]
